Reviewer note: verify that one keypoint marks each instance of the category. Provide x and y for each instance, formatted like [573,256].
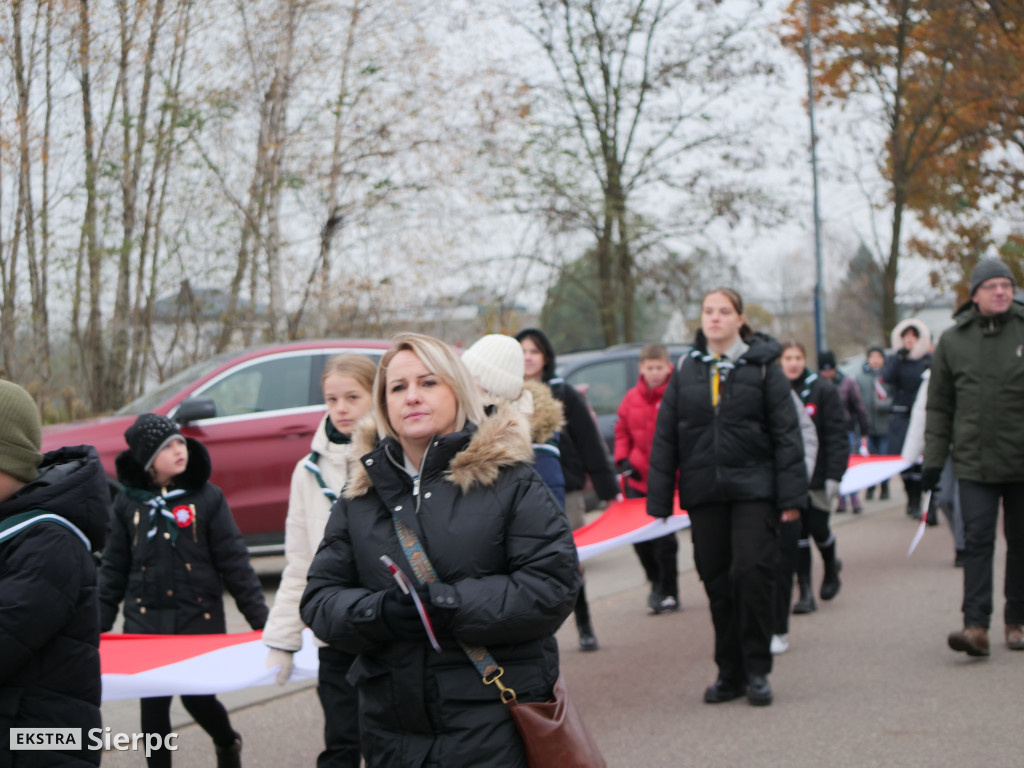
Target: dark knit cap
[21,433]
[149,435]
[877,349]
[826,360]
[986,270]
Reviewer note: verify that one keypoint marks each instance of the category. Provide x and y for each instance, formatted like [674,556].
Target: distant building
[936,314]
[200,305]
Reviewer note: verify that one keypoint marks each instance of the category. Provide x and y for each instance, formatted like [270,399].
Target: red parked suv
[255,411]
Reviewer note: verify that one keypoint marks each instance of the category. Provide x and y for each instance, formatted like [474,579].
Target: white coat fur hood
[924,338]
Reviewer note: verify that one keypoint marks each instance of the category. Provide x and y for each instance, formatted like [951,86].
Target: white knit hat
[496,363]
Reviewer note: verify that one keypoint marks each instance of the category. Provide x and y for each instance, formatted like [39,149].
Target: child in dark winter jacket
[172,544]
[53,514]
[634,435]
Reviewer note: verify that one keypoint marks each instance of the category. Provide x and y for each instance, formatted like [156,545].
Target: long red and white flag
[136,666]
[625,522]
[868,471]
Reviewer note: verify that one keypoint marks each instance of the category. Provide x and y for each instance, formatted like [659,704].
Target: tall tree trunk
[890,270]
[624,279]
[92,348]
[334,218]
[164,153]
[128,316]
[40,312]
[277,103]
[606,288]
[23,73]
[243,257]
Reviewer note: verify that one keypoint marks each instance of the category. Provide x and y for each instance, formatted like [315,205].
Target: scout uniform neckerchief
[174,519]
[719,371]
[806,391]
[312,463]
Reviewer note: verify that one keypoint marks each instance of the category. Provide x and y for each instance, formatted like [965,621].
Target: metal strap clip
[507,694]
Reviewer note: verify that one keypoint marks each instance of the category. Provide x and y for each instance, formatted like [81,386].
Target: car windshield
[150,400]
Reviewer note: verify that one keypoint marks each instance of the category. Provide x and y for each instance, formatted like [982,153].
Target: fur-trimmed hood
[924,338]
[131,474]
[548,415]
[472,456]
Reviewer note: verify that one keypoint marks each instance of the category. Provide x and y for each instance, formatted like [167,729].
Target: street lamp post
[820,337]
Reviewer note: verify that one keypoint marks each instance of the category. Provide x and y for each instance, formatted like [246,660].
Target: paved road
[868,681]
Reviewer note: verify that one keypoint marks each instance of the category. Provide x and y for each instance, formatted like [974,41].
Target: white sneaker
[667,605]
[780,644]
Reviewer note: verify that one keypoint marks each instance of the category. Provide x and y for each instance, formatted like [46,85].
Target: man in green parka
[976,406]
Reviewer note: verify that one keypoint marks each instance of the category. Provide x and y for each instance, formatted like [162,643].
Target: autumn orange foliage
[944,80]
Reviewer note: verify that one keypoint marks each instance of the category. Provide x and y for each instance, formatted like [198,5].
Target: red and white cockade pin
[184,515]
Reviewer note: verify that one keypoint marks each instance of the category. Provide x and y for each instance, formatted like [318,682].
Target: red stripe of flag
[131,654]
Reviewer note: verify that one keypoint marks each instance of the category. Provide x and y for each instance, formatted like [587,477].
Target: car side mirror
[195,409]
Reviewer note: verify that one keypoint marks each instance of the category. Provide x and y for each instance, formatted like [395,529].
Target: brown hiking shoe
[1015,637]
[971,640]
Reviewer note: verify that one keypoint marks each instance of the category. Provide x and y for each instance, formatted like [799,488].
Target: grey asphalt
[868,681]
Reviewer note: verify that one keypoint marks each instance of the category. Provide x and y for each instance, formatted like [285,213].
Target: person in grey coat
[877,397]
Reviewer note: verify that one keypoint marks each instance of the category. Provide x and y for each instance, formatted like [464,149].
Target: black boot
[588,641]
[884,495]
[806,603]
[231,755]
[830,584]
[913,488]
[870,493]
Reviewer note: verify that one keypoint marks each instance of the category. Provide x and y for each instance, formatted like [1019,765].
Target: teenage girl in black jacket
[822,403]
[582,453]
[728,428]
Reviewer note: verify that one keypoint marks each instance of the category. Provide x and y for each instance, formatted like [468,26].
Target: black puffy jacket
[747,448]
[508,576]
[581,446]
[822,403]
[174,586]
[49,623]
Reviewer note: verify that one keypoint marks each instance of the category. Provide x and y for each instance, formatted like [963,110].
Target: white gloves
[832,489]
[864,447]
[276,656]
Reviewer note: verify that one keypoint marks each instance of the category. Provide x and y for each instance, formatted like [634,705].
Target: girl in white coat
[316,483]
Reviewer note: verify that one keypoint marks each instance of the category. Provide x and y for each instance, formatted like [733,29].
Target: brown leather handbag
[553,732]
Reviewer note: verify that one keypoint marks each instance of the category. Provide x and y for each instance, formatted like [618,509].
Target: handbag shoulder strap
[489,669]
